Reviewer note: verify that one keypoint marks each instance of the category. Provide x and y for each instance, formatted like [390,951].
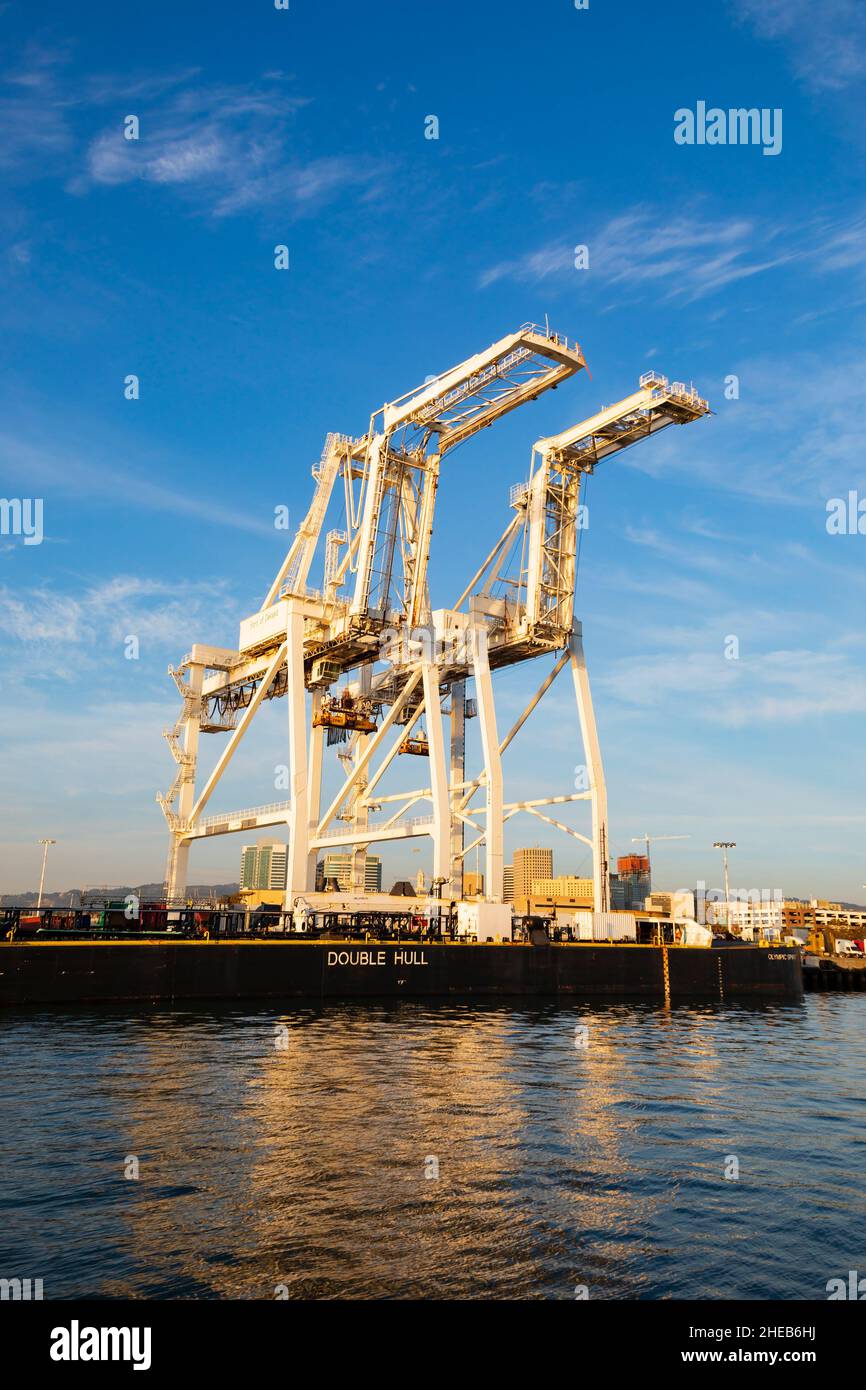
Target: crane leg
[494,836]
[458,772]
[317,737]
[178,859]
[298,815]
[178,867]
[598,791]
[438,773]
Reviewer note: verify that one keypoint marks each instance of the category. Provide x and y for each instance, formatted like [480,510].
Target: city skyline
[720,593]
[379,875]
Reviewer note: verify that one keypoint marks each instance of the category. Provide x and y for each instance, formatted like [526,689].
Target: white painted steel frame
[402,451]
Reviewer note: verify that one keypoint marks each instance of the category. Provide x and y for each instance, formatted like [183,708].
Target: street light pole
[724,846]
[44,844]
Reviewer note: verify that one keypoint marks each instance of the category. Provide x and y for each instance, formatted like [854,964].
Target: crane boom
[535,606]
[651,839]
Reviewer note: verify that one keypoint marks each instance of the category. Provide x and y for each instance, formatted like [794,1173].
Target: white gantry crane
[370,627]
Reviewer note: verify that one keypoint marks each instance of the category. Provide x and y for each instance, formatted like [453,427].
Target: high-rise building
[508,883]
[337,868]
[249,865]
[530,864]
[264,865]
[619,894]
[633,870]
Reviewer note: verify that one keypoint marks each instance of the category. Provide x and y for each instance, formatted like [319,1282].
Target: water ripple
[305,1165]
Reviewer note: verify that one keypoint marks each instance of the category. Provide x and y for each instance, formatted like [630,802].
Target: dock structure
[822,974]
[383,667]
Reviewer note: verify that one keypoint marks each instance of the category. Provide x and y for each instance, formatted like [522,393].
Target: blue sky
[556,126]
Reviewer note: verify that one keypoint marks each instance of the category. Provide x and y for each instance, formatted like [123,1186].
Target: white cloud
[688,255]
[782,686]
[842,246]
[303,188]
[691,255]
[34,124]
[227,148]
[46,630]
[824,39]
[670,547]
[533,267]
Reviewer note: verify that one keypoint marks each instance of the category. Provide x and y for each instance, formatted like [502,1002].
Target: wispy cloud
[783,686]
[35,134]
[225,148]
[96,622]
[842,245]
[825,42]
[50,465]
[671,547]
[687,255]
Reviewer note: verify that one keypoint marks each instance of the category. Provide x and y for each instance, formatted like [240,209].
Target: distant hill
[71,897]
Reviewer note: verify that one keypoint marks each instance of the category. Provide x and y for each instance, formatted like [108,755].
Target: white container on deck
[485,921]
[583,925]
[606,926]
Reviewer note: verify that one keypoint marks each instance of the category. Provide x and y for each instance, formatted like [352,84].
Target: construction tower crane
[651,839]
[371,625]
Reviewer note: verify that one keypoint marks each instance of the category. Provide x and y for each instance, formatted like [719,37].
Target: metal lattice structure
[370,625]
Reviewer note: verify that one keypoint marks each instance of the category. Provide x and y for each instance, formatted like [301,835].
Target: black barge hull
[54,972]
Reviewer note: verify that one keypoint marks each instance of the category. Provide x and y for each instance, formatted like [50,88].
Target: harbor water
[435,1150]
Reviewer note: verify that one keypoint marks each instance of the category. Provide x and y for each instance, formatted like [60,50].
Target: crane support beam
[373,747]
[559,825]
[244,723]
